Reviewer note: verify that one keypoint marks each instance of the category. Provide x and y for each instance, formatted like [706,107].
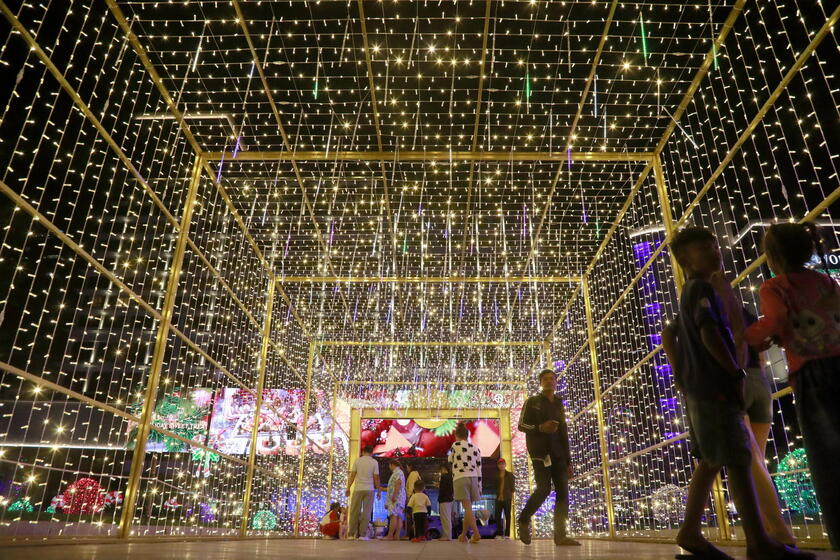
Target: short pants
[467,488]
[758,397]
[719,433]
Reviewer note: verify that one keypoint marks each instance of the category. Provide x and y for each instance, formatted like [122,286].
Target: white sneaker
[351,538]
[365,539]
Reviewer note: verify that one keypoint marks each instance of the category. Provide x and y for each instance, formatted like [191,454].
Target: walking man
[543,421]
[365,474]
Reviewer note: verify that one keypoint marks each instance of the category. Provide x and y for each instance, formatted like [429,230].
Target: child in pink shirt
[801,309]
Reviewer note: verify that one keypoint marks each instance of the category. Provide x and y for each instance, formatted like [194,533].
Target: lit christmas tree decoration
[242,240]
[794,483]
[264,520]
[85,496]
[22,505]
[668,504]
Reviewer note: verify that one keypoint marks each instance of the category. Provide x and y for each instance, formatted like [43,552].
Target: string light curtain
[215,213]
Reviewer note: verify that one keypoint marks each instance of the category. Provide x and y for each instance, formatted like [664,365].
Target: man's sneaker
[524,530]
[565,541]
[351,538]
[365,539]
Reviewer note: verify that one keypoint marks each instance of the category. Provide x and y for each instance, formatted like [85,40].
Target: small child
[330,523]
[709,375]
[419,504]
[801,309]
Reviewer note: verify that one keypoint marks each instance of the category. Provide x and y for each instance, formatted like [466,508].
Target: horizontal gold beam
[427,279]
[416,155]
[424,343]
[430,413]
[448,383]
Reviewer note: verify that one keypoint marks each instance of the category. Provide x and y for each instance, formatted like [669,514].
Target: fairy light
[644,36]
[328,217]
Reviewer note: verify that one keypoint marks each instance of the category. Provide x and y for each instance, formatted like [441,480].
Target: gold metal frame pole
[355,436]
[427,279]
[355,439]
[132,490]
[507,454]
[667,216]
[599,408]
[302,460]
[332,441]
[416,155]
[252,451]
[430,412]
[476,343]
[414,383]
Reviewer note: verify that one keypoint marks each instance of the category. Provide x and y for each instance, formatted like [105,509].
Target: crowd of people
[408,506]
[714,346]
[406,503]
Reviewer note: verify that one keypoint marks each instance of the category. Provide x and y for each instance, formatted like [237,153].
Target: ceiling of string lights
[430,139]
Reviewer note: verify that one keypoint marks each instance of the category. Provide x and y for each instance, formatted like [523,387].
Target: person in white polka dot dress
[465,459]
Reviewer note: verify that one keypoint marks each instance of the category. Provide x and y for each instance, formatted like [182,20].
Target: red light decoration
[85,496]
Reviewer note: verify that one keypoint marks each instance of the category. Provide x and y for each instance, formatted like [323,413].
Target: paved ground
[344,550]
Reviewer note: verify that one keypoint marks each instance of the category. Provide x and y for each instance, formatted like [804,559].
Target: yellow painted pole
[355,436]
[355,440]
[132,490]
[332,442]
[302,460]
[258,400]
[667,216]
[427,279]
[416,155]
[507,455]
[410,343]
[599,408]
[458,384]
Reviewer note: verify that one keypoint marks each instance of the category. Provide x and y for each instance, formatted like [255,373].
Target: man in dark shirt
[543,421]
